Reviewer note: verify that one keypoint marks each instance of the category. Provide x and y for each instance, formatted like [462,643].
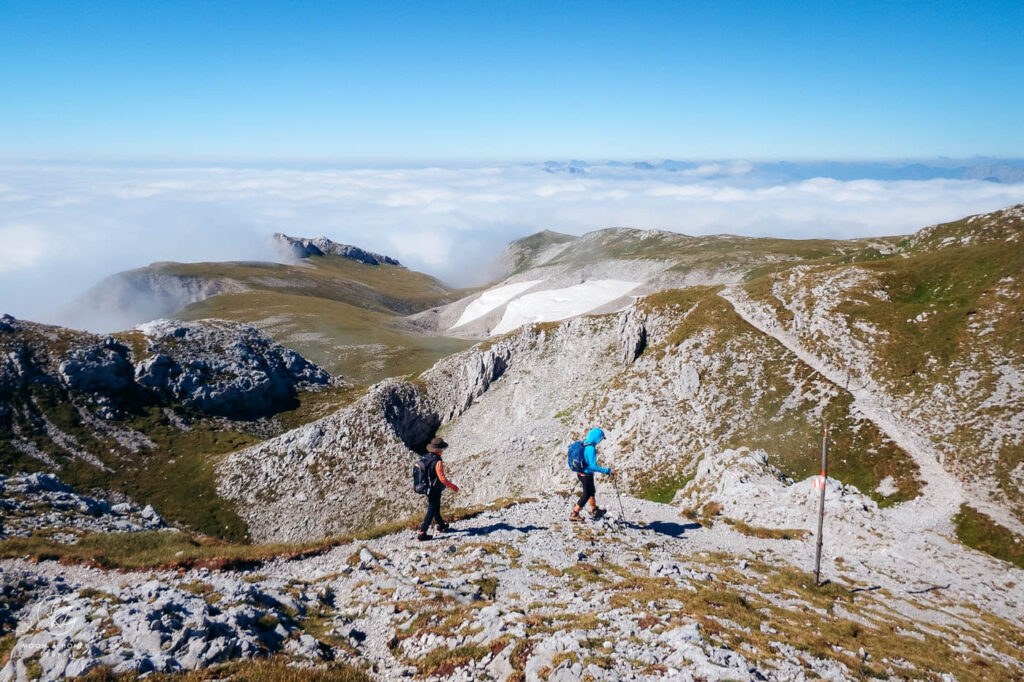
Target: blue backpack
[577,462]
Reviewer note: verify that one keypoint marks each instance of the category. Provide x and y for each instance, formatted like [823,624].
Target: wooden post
[821,506]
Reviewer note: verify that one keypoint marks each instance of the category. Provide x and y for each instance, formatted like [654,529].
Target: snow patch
[491,299]
[559,304]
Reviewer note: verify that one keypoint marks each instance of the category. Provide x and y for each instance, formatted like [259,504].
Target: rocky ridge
[214,366]
[300,247]
[335,474]
[221,367]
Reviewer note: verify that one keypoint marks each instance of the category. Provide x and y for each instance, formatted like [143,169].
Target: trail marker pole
[821,506]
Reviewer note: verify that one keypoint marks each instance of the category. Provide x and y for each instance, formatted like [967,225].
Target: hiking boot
[575,516]
[444,528]
[598,513]
[423,536]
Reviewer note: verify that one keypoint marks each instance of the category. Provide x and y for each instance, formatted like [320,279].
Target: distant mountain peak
[301,247]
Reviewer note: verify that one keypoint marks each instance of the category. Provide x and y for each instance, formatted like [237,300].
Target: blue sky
[441,81]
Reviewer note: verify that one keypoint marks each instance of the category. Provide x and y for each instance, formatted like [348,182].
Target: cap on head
[436,444]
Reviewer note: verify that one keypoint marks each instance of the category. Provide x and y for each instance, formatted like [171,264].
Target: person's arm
[590,455]
[441,477]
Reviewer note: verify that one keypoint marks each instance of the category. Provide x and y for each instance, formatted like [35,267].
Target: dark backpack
[424,473]
[577,462]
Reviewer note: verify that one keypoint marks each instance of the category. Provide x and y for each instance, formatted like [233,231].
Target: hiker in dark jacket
[437,485]
[587,477]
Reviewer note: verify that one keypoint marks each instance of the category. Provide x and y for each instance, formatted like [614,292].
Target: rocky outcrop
[42,502]
[222,368]
[342,472]
[632,335]
[154,627]
[213,366]
[100,368]
[299,248]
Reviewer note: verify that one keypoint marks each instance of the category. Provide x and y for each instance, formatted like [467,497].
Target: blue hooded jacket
[590,452]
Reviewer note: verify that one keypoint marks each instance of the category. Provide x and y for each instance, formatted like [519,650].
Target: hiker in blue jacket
[587,476]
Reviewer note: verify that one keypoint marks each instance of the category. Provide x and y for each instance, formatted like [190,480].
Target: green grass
[979,531]
[313,405]
[381,287]
[660,489]
[767,533]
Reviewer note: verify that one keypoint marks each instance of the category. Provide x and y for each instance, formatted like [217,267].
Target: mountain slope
[605,270]
[933,336]
[337,304]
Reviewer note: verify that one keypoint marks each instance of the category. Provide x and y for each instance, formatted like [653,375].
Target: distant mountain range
[1006,171]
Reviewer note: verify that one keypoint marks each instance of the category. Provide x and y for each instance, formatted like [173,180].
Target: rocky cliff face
[665,388]
[215,367]
[345,471]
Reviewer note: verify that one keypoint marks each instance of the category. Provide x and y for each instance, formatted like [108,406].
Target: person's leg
[587,494]
[438,520]
[433,509]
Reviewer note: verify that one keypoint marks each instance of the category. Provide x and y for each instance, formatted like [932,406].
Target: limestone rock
[222,368]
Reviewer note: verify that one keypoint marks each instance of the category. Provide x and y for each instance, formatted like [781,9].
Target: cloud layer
[64,228]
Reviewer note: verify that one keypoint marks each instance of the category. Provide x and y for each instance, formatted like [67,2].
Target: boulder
[100,368]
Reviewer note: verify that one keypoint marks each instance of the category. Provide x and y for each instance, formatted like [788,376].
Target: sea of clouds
[65,227]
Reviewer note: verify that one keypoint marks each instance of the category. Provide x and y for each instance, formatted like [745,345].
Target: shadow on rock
[487,530]
[671,528]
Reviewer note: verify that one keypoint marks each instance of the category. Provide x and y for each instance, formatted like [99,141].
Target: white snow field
[559,304]
[491,299]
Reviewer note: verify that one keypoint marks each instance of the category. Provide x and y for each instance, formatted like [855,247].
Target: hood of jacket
[595,436]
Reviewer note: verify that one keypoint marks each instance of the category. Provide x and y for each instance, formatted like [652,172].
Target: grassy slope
[339,313]
[713,252]
[358,343]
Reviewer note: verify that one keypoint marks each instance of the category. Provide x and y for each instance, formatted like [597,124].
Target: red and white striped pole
[820,483]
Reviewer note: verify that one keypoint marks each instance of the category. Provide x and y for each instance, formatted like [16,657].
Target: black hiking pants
[587,480]
[433,509]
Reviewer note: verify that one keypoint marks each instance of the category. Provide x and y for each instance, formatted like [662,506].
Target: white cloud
[63,228]
[21,247]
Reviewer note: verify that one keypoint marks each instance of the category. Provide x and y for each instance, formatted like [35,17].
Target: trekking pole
[568,497]
[622,514]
